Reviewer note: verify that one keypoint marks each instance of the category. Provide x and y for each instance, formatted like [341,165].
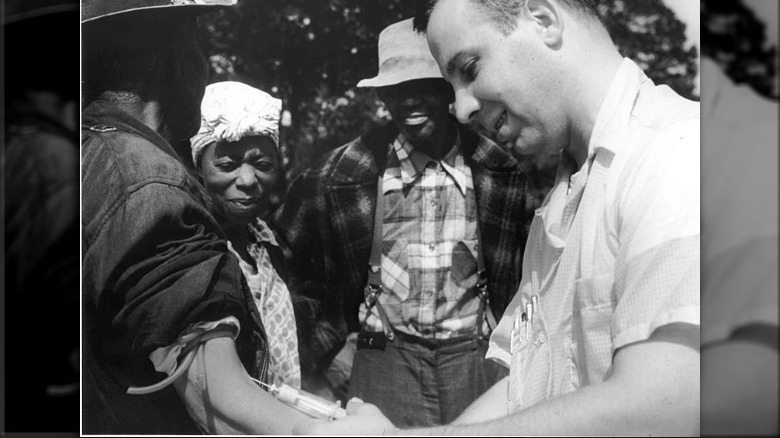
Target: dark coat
[327,219]
[154,261]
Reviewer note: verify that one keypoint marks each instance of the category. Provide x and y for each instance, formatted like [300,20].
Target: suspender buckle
[372,293]
[481,286]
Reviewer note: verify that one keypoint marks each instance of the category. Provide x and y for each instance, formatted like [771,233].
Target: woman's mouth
[245,203]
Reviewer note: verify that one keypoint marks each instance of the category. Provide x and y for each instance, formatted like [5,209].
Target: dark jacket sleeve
[302,227]
[156,263]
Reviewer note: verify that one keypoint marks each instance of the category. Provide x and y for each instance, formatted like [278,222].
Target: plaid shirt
[429,248]
[325,229]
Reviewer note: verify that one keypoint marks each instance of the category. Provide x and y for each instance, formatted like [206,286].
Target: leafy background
[312,53]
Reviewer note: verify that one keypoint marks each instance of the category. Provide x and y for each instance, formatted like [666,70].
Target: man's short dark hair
[503,12]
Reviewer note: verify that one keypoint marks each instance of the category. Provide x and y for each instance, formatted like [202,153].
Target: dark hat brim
[95,10]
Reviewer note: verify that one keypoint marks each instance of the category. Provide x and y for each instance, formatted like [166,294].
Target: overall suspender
[374,285]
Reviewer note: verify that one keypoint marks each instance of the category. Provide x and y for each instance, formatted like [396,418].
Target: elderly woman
[236,153]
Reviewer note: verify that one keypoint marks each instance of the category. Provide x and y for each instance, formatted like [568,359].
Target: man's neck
[590,86]
[147,112]
[441,145]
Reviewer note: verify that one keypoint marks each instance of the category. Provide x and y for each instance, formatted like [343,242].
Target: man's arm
[653,390]
[490,405]
[222,399]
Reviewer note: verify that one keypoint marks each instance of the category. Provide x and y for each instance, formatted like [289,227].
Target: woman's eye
[264,166]
[225,166]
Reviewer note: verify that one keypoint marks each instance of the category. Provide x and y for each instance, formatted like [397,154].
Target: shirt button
[431,247]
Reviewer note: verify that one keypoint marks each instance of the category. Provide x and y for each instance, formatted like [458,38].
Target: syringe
[309,404]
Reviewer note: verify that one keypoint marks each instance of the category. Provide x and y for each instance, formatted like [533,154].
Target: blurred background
[740,42]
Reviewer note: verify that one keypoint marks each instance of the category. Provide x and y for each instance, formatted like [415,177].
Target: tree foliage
[311,53]
[649,33]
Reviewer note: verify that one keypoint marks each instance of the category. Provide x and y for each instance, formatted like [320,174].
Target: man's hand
[362,419]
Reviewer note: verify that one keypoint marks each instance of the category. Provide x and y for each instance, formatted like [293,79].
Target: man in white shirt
[603,336]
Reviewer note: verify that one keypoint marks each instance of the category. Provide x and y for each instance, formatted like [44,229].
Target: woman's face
[240,176]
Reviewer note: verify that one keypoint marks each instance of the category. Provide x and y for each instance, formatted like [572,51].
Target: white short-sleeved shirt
[613,252]
[739,205]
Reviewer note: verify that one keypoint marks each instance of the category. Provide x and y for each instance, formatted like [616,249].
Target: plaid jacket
[326,224]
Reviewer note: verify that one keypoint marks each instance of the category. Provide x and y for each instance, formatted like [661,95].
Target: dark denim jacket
[154,260]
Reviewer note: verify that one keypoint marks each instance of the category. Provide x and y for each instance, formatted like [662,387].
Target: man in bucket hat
[164,301]
[406,239]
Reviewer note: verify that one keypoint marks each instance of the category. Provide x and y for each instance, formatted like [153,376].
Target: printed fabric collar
[261,232]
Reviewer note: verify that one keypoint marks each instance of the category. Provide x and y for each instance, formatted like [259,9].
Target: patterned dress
[275,306]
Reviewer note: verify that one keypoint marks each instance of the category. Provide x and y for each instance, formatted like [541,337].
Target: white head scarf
[233,110]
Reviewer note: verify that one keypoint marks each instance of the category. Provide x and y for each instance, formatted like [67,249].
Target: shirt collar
[413,162]
[609,131]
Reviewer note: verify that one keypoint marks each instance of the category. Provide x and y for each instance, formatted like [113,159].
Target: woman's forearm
[222,399]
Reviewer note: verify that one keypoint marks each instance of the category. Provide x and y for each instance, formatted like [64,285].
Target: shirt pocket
[530,375]
[463,267]
[594,307]
[395,267]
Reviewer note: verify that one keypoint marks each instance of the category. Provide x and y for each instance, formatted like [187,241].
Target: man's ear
[546,15]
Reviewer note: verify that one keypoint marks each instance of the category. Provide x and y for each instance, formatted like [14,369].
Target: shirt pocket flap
[464,261]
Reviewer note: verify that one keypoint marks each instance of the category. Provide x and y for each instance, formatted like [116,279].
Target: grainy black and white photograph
[399,217]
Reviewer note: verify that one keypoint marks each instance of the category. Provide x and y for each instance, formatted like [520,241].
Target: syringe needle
[264,384]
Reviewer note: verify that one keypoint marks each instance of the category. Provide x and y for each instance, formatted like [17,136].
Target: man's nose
[466,105]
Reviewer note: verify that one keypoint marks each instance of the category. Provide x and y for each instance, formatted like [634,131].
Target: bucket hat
[403,56]
[95,9]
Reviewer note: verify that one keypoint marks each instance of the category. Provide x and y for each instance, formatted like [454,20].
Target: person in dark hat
[164,300]
[446,209]
[40,202]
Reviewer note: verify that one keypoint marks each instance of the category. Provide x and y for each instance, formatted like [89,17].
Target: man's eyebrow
[451,63]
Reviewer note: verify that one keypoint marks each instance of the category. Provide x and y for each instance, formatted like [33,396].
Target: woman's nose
[246,176]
